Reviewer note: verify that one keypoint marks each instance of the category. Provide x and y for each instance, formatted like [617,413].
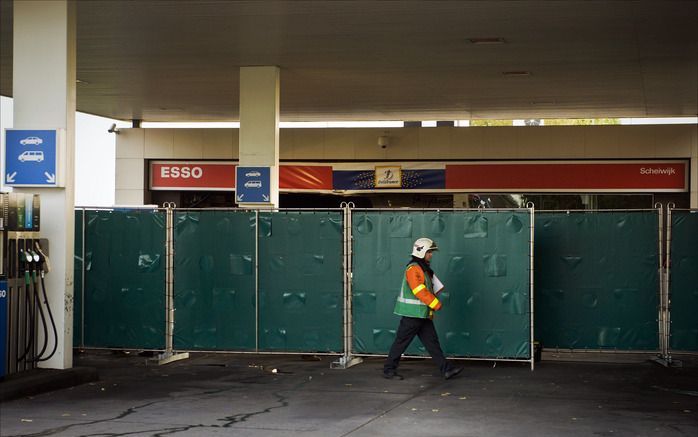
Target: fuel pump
[27,312]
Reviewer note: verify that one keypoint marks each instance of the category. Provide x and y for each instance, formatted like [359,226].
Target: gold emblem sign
[388,176]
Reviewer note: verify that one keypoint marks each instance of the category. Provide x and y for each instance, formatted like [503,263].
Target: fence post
[662,291]
[664,357]
[347,359]
[667,282]
[531,209]
[82,283]
[169,355]
[256,281]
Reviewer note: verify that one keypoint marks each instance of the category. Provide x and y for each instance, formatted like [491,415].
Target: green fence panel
[684,281]
[597,280]
[301,284]
[125,279]
[77,280]
[214,280]
[483,261]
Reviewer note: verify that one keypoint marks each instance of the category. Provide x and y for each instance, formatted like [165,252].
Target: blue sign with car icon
[252,184]
[31,158]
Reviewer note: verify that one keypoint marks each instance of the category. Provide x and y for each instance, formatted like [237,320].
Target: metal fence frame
[346,357]
[84,209]
[257,211]
[531,210]
[667,285]
[661,350]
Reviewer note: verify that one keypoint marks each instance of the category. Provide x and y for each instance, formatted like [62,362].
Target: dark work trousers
[408,329]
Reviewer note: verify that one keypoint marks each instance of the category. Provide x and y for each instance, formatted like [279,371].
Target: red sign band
[556,176]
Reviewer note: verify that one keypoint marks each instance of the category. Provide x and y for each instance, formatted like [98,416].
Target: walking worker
[417,314]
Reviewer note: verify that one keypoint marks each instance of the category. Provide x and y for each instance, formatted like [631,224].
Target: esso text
[181,172]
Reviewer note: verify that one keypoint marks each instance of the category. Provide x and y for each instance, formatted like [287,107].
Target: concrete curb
[38,381]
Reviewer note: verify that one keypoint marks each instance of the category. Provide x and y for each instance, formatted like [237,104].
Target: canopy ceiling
[375,60]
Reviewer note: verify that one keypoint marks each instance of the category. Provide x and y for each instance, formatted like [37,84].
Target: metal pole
[169,356]
[345,279]
[168,285]
[256,281]
[82,291]
[349,278]
[347,359]
[345,333]
[661,312]
[667,283]
[530,285]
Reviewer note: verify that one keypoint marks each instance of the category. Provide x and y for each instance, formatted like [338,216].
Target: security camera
[383,141]
[113,129]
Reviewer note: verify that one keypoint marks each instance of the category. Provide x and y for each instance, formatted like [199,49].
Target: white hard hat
[422,246]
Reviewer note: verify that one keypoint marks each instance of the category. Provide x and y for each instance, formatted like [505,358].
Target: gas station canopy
[375,60]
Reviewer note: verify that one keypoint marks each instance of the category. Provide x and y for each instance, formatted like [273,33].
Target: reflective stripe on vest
[410,301]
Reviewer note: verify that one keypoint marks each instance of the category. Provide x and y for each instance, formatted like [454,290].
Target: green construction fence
[597,280]
[214,280]
[301,281]
[683,289]
[124,279]
[483,261]
[299,307]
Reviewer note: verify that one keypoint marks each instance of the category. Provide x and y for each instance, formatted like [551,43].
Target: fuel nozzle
[25,260]
[36,262]
[44,263]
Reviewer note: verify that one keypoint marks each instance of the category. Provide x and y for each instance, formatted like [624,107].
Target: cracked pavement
[240,394]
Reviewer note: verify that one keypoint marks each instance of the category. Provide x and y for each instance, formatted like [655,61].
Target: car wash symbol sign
[252,184]
[30,158]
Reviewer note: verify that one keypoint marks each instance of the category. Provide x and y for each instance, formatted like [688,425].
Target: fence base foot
[345,362]
[667,362]
[168,357]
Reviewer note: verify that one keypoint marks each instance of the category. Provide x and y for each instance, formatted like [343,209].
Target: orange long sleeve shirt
[416,282]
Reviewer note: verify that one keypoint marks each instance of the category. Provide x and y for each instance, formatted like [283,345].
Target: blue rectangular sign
[252,184]
[31,158]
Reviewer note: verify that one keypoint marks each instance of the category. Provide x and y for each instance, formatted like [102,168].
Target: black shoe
[452,372]
[391,374]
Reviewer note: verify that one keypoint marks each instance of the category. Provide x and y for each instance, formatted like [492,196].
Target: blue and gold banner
[371,179]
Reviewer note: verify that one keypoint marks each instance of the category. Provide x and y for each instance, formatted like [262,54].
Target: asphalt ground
[287,395]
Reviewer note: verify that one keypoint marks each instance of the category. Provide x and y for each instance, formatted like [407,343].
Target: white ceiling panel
[366,60]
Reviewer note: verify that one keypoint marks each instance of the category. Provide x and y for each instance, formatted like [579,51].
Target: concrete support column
[259,122]
[43,88]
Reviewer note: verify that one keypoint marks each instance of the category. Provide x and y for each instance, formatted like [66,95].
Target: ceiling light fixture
[520,73]
[490,40]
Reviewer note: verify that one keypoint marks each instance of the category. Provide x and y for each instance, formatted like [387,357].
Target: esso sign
[192,175]
[183,172]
